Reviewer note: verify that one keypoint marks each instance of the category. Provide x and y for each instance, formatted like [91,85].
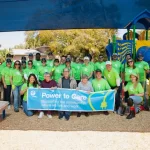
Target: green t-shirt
[132,90]
[1,68]
[100,85]
[4,64]
[142,66]
[29,71]
[50,63]
[116,65]
[100,65]
[86,70]
[57,72]
[17,77]
[24,86]
[6,73]
[129,71]
[37,64]
[111,76]
[42,70]
[77,74]
[123,66]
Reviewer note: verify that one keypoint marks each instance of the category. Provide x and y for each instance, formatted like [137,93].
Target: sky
[10,39]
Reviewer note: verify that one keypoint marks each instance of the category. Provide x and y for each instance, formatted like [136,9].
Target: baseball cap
[23,58]
[108,63]
[30,54]
[50,53]
[43,60]
[8,61]
[8,55]
[114,54]
[86,58]
[140,55]
[23,62]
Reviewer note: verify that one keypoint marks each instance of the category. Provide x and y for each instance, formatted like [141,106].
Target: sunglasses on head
[130,61]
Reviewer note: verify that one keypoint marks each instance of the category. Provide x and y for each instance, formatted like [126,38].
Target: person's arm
[3,80]
[23,91]
[141,94]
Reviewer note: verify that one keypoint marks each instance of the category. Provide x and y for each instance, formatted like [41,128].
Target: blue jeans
[136,101]
[26,111]
[65,114]
[17,97]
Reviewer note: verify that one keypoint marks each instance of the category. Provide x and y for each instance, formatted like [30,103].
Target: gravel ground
[85,140]
[95,122]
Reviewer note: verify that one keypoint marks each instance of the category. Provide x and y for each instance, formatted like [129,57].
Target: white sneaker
[41,115]
[9,107]
[49,116]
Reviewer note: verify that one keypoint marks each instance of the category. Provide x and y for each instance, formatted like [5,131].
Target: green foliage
[75,42]
[3,54]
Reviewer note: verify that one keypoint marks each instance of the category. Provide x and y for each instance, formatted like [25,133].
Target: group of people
[81,74]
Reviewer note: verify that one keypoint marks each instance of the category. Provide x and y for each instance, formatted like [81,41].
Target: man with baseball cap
[87,69]
[100,64]
[30,56]
[113,78]
[116,64]
[50,61]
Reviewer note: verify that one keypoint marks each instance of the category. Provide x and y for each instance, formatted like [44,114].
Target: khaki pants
[1,91]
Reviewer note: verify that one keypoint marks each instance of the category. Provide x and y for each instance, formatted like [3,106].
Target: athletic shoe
[9,107]
[106,113]
[16,110]
[41,115]
[49,116]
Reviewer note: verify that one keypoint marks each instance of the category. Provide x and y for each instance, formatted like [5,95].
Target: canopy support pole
[128,33]
[146,34]
[114,43]
[134,47]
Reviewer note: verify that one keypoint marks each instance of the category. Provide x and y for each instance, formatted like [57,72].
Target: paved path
[79,140]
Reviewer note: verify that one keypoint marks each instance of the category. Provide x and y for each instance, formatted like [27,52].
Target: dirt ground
[95,122]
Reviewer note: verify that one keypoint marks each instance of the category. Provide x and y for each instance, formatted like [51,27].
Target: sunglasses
[29,63]
[130,62]
[17,64]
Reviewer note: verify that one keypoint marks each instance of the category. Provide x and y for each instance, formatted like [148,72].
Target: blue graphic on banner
[70,100]
[122,48]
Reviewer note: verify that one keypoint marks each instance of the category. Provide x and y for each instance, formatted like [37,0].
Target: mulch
[95,122]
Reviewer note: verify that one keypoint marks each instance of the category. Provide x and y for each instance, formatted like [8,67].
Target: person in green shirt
[8,56]
[77,67]
[16,80]
[50,61]
[30,57]
[30,70]
[100,64]
[57,70]
[143,69]
[42,69]
[6,81]
[113,78]
[37,61]
[136,93]
[87,69]
[100,84]
[71,69]
[116,64]
[23,65]
[31,83]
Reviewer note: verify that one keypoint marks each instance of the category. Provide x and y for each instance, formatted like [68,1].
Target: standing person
[30,57]
[57,70]
[71,69]
[100,84]
[69,83]
[113,78]
[47,83]
[85,85]
[63,61]
[37,61]
[50,61]
[136,93]
[31,83]
[143,68]
[87,69]
[6,73]
[23,65]
[30,70]
[8,56]
[42,69]
[116,64]
[101,65]
[16,80]
[77,67]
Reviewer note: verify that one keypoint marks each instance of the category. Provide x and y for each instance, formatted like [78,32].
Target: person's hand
[53,88]
[132,95]
[88,92]
[77,88]
[5,86]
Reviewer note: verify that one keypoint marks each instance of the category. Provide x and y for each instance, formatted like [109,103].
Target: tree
[3,54]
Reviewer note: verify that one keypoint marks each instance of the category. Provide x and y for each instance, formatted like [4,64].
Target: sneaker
[86,114]
[78,114]
[62,118]
[41,115]
[16,110]
[106,113]
[49,116]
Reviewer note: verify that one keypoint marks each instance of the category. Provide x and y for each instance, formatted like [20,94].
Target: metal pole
[114,43]
[134,44]
[128,33]
[146,34]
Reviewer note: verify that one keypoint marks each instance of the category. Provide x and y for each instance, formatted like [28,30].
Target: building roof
[24,52]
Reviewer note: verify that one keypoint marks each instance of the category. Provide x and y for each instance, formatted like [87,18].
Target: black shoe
[16,110]
[86,114]
[131,115]
[106,113]
[123,110]
[78,114]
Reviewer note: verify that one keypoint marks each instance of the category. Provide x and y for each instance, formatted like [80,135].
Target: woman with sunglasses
[30,70]
[16,80]
[31,83]
[136,93]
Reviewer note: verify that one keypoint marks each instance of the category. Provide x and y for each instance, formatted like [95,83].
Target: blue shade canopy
[143,18]
[18,15]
